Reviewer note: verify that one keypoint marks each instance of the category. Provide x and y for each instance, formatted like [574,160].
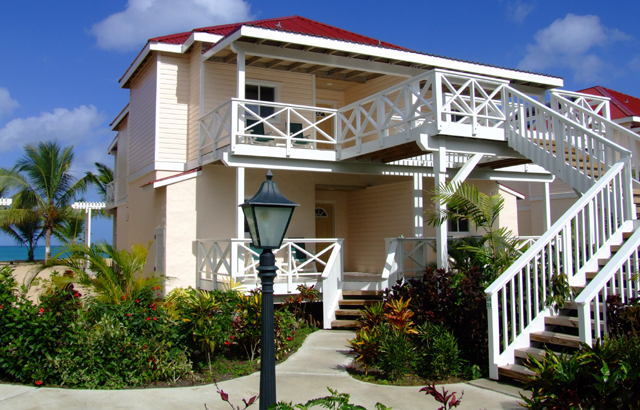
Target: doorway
[325,226]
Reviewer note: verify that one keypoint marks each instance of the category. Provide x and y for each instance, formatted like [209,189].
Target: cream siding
[376,213]
[142,117]
[360,91]
[122,165]
[173,108]
[194,103]
[332,95]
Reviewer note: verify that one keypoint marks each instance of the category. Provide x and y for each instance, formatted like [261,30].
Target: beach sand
[25,270]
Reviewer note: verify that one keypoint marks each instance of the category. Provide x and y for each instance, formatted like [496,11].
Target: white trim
[136,63]
[568,195]
[174,180]
[113,145]
[511,191]
[201,37]
[166,47]
[6,201]
[120,117]
[156,129]
[221,45]
[88,205]
[624,120]
[432,61]
[169,166]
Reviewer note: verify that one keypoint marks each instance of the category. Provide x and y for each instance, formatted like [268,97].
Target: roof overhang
[116,121]
[169,48]
[183,176]
[511,191]
[417,59]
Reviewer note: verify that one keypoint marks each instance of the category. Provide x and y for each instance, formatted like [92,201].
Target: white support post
[466,169]
[241,75]
[547,206]
[87,227]
[239,201]
[418,206]
[439,170]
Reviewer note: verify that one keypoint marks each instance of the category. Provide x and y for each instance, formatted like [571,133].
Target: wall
[142,117]
[173,108]
[180,232]
[122,161]
[194,102]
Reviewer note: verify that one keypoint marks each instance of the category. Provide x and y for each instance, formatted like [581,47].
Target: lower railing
[237,260]
[409,257]
[619,277]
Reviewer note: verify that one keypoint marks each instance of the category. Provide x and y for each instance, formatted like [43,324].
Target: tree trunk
[47,245]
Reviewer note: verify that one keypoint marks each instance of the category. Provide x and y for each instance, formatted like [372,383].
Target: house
[559,196]
[357,131]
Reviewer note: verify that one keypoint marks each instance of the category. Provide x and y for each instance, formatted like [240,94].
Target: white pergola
[6,201]
[88,207]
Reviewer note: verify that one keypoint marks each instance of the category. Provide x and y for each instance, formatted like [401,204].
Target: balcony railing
[111,194]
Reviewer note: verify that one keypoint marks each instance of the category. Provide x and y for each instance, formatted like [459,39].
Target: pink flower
[39,382]
[41,310]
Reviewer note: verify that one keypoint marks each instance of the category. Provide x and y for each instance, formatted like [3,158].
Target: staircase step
[591,275]
[603,261]
[344,324]
[360,303]
[627,235]
[348,312]
[525,352]
[560,320]
[615,248]
[516,371]
[572,305]
[556,338]
[362,293]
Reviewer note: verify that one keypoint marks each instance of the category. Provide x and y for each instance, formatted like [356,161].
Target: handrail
[619,264]
[604,102]
[610,126]
[555,229]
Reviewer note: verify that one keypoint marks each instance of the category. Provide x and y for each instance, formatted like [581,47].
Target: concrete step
[348,312]
[556,338]
[344,324]
[362,294]
[515,371]
[525,352]
[572,305]
[357,303]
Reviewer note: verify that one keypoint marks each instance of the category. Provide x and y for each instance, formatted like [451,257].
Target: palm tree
[100,180]
[45,187]
[71,228]
[26,232]
[465,201]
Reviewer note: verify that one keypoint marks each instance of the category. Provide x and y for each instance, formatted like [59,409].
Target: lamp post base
[267,273]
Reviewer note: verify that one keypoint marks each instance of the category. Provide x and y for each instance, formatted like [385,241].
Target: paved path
[319,363]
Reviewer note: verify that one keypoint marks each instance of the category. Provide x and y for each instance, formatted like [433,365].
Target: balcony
[436,102]
[111,195]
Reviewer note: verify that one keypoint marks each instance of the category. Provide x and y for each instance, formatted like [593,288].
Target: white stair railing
[618,277]
[593,103]
[596,118]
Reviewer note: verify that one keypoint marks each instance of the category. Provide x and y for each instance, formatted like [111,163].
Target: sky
[60,61]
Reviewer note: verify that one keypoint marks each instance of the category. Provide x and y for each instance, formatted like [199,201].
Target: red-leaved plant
[447,399]
[225,397]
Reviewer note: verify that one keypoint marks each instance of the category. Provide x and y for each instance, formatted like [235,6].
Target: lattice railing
[111,193]
[596,104]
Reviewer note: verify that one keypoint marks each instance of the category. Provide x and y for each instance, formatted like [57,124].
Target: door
[325,126]
[325,227]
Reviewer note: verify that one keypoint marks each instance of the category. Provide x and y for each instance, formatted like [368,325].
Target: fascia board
[119,118]
[177,179]
[113,144]
[143,54]
[169,48]
[221,45]
[511,191]
[625,120]
[433,61]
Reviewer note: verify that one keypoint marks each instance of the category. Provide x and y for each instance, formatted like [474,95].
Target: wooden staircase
[560,334]
[350,304]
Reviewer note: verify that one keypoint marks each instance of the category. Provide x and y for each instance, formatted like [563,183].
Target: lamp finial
[269,175]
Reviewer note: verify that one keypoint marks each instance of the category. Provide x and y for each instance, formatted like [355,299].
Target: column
[239,201]
[546,197]
[418,206]
[439,171]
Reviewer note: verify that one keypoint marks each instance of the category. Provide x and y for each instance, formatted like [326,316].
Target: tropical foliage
[25,232]
[498,248]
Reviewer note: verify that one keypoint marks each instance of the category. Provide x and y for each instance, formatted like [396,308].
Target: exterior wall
[194,102]
[122,162]
[509,216]
[173,108]
[376,213]
[332,95]
[215,203]
[142,117]
[376,85]
[180,232]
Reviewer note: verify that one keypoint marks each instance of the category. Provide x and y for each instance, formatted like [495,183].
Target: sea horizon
[16,253]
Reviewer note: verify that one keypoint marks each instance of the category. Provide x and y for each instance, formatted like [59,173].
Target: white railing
[618,277]
[239,121]
[593,103]
[236,259]
[111,193]
[596,118]
[467,103]
[411,256]
[516,300]
[567,149]
[6,201]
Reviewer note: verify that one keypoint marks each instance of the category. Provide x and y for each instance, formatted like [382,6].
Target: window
[261,93]
[321,213]
[461,225]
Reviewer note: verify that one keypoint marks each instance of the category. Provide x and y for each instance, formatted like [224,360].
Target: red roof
[293,24]
[622,105]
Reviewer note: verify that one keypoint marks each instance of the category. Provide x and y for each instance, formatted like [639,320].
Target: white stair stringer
[594,166]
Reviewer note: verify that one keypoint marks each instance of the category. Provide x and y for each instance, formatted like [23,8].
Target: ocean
[19,253]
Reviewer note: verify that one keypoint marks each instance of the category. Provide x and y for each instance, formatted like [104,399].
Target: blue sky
[61,60]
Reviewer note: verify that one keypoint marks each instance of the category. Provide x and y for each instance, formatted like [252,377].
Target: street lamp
[268,215]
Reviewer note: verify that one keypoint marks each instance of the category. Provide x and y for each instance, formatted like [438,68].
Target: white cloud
[7,104]
[143,19]
[518,10]
[634,64]
[67,126]
[571,43]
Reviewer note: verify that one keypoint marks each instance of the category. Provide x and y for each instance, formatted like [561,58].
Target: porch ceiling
[321,71]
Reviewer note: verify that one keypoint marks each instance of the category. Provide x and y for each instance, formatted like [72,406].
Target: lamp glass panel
[272,222]
[248,214]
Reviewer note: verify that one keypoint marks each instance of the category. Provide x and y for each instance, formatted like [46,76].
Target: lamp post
[268,215]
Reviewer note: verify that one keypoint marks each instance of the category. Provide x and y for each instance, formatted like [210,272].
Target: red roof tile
[293,24]
[622,105]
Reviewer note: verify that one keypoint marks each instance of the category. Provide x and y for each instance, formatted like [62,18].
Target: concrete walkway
[319,363]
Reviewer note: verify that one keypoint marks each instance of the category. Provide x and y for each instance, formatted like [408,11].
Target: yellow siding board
[142,118]
[173,108]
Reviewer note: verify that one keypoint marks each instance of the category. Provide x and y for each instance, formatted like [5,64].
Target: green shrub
[606,376]
[438,348]
[623,319]
[397,355]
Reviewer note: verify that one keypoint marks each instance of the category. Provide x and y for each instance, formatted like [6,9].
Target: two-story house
[357,131]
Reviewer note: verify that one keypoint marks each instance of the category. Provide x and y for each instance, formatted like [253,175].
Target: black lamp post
[268,215]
